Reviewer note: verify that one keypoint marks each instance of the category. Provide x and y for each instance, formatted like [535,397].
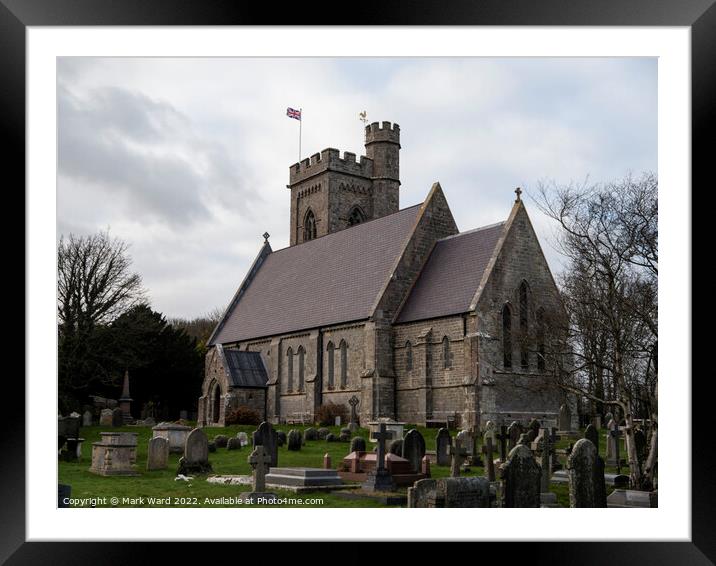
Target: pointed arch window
[356,216]
[540,340]
[408,356]
[301,367]
[507,336]
[289,369]
[447,354]
[331,365]
[344,363]
[524,325]
[309,226]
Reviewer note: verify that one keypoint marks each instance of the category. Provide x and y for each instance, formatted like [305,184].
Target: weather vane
[363,117]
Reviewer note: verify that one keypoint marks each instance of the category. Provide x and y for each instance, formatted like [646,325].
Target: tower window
[356,216]
[309,226]
[507,336]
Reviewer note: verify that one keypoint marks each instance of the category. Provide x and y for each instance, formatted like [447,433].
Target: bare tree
[200,327]
[95,285]
[609,234]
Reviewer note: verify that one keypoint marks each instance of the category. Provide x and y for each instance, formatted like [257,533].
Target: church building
[421,322]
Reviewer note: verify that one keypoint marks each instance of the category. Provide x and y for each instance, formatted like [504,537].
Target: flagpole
[300,128]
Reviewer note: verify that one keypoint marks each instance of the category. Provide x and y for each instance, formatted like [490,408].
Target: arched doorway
[216,403]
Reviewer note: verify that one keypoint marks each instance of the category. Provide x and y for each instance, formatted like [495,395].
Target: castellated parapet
[330,160]
[330,192]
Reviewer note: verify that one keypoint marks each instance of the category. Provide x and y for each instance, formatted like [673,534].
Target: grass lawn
[147,489]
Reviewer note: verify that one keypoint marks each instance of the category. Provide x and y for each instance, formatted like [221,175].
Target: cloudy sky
[187,159]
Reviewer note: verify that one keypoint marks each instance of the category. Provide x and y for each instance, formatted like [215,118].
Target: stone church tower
[330,193]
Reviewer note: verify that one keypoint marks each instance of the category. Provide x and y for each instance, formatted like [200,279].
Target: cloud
[143,155]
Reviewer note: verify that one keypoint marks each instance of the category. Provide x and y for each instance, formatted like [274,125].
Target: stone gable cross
[259,461]
[381,436]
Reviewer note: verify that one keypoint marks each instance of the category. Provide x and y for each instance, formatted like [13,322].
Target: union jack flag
[293,113]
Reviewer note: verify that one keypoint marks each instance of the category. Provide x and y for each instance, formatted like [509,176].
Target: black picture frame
[699,15]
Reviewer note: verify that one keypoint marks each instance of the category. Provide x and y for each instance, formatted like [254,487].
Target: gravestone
[380,479]
[243,438]
[323,432]
[414,449]
[221,440]
[353,424]
[358,444]
[310,434]
[157,454]
[450,492]
[487,450]
[305,477]
[425,466]
[565,418]
[266,436]
[176,434]
[330,437]
[212,446]
[87,418]
[533,430]
[467,442]
[280,438]
[502,439]
[327,464]
[293,440]
[443,443]
[117,417]
[514,431]
[546,446]
[196,454]
[344,437]
[521,476]
[581,465]
[611,441]
[614,459]
[396,447]
[105,417]
[233,443]
[458,454]
[260,462]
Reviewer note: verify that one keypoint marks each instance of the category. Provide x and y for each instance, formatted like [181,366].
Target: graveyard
[228,458]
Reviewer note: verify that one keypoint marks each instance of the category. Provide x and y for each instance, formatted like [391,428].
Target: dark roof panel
[246,369]
[450,278]
[329,280]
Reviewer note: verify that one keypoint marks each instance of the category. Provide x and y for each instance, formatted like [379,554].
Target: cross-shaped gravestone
[547,442]
[458,454]
[259,461]
[487,450]
[353,402]
[502,438]
[615,433]
[381,436]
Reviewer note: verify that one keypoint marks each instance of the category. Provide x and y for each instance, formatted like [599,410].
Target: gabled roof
[246,369]
[452,274]
[329,280]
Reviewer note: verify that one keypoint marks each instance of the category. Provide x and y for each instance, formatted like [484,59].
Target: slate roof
[329,280]
[452,274]
[246,369]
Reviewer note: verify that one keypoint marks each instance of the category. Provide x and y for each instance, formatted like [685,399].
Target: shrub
[242,415]
[326,414]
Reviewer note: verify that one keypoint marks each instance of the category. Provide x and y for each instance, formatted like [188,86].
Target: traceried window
[447,354]
[408,356]
[289,369]
[309,226]
[331,364]
[301,367]
[507,336]
[524,325]
[356,216]
[344,363]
